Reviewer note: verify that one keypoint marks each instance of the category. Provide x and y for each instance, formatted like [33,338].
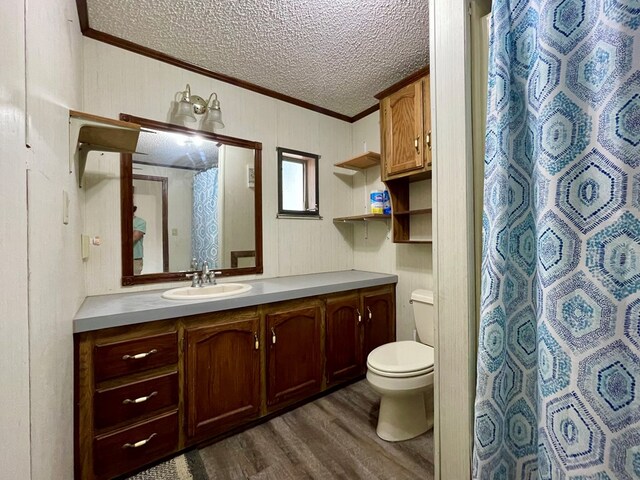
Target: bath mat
[188,466]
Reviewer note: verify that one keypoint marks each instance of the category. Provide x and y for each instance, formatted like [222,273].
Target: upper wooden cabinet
[405,129]
[222,375]
[405,137]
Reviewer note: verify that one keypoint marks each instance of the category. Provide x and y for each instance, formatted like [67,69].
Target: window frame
[282,154]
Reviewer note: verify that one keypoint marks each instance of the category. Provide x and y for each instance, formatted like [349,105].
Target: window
[297,184]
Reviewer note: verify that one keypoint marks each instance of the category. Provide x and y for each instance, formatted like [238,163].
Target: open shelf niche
[89,132]
[401,212]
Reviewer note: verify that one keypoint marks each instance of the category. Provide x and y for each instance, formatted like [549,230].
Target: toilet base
[403,417]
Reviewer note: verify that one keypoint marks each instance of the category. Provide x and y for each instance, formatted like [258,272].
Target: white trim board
[454,237]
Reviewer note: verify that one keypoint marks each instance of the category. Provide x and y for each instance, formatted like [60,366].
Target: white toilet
[402,373]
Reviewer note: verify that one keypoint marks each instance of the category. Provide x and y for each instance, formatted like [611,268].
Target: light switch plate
[65,207]
[84,243]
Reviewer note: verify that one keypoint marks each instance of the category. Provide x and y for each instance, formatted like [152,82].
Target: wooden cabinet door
[379,317]
[343,338]
[222,376]
[294,366]
[402,129]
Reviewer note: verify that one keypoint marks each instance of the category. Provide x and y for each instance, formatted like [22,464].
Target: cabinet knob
[139,356]
[140,443]
[370,314]
[359,315]
[127,401]
[273,336]
[257,342]
[427,139]
[416,144]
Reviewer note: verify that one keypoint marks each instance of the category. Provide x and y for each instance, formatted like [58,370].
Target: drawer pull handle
[139,355]
[273,336]
[359,315]
[256,341]
[127,401]
[141,443]
[370,314]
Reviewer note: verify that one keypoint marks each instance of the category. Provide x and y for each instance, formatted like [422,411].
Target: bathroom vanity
[156,376]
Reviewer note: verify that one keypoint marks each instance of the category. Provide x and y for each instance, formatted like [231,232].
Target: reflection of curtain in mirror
[204,235]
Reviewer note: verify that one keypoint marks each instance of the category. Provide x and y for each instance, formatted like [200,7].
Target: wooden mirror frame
[126,204]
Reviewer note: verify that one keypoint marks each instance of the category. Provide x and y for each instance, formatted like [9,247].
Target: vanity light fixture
[194,104]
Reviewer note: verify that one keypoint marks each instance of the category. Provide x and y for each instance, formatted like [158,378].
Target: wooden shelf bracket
[100,134]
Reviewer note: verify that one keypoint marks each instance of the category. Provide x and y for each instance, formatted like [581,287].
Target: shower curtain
[558,381]
[204,230]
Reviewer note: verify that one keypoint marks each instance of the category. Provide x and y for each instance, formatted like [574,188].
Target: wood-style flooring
[333,437]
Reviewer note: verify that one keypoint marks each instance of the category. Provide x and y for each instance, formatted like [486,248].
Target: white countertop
[106,311]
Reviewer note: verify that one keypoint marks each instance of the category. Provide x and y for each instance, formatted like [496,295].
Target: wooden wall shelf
[89,132]
[360,162]
[425,242]
[420,211]
[361,218]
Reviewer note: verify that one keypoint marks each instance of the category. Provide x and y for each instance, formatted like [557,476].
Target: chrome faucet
[212,277]
[205,272]
[196,281]
[205,277]
[208,275]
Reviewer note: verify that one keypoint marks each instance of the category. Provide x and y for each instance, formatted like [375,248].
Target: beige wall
[180,206]
[39,82]
[118,81]
[56,284]
[237,227]
[373,248]
[14,327]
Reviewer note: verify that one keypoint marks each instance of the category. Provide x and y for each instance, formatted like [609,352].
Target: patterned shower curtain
[558,385]
[204,230]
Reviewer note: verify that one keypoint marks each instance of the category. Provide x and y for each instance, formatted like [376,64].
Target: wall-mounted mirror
[187,197]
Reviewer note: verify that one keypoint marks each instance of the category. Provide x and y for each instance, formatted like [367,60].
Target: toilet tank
[422,301]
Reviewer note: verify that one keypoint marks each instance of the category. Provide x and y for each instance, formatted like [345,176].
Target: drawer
[130,448]
[142,398]
[131,356]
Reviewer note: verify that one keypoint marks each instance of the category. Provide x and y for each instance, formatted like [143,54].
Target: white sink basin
[207,292]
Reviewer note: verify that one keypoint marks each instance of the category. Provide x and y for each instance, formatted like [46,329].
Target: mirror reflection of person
[139,229]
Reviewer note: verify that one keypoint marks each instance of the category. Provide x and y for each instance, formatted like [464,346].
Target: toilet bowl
[402,373]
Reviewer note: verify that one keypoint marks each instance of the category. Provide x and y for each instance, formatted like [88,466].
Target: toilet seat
[401,359]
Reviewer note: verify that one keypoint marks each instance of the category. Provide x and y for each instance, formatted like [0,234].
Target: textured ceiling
[176,150]
[336,54]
